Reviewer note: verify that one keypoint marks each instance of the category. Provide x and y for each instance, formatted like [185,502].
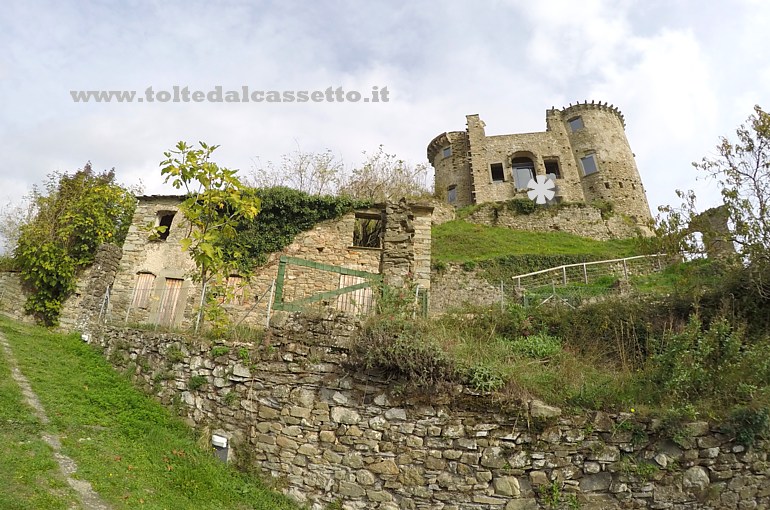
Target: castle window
[164,220]
[575,123]
[446,152]
[523,171]
[367,231]
[451,194]
[552,168]
[588,162]
[497,172]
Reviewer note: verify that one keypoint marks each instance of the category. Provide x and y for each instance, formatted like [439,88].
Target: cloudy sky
[683,72]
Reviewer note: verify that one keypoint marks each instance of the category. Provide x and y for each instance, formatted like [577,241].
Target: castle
[584,150]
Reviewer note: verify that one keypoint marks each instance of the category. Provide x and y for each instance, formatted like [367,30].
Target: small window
[607,185]
[446,152]
[367,231]
[144,285]
[235,286]
[523,171]
[552,168]
[497,172]
[589,164]
[164,224]
[451,194]
[575,123]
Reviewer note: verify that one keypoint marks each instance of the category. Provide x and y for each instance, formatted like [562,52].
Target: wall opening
[143,290]
[497,172]
[607,185]
[165,218]
[451,194]
[446,152]
[588,162]
[575,123]
[523,170]
[367,231]
[169,301]
[552,168]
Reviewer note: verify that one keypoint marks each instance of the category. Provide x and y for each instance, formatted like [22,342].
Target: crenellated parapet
[576,109]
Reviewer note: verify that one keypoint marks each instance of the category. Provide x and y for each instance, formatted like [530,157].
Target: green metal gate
[353,293]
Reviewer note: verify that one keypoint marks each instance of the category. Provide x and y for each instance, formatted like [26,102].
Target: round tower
[448,155]
[604,159]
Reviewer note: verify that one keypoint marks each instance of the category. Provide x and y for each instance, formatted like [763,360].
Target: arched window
[523,169]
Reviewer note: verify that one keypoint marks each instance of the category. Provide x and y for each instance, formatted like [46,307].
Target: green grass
[459,241]
[29,475]
[134,453]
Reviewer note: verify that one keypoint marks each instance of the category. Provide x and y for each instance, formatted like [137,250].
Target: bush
[539,346]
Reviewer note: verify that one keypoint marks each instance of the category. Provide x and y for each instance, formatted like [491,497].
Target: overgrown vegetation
[73,215]
[134,453]
[700,349]
[285,213]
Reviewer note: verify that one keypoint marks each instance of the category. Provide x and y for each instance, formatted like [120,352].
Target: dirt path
[89,498]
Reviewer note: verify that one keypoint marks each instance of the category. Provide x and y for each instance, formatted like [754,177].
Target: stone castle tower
[584,149]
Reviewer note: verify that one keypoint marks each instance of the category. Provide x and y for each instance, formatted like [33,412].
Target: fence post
[270,304]
[585,274]
[200,311]
[564,274]
[625,270]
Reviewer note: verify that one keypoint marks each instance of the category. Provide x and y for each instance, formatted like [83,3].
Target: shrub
[196,382]
[539,346]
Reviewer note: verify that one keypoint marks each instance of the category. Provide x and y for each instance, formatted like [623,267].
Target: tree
[385,177]
[381,177]
[72,216]
[742,171]
[215,206]
[311,173]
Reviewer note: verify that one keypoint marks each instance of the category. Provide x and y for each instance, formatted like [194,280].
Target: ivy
[285,213]
[75,214]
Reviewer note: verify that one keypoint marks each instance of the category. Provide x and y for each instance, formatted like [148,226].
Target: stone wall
[12,296]
[454,287]
[329,242]
[291,404]
[88,301]
[79,309]
[582,220]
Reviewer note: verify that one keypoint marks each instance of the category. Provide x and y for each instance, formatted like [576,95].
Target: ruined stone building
[153,284]
[584,149]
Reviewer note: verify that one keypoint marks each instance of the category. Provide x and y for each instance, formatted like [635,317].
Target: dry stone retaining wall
[291,404]
[581,220]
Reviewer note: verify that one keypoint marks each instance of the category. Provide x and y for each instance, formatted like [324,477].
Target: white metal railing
[566,273]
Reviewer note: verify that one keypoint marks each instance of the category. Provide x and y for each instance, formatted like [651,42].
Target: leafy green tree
[72,216]
[742,171]
[216,205]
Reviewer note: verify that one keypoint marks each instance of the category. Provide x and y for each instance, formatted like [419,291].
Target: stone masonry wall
[12,296]
[582,220]
[88,301]
[291,404]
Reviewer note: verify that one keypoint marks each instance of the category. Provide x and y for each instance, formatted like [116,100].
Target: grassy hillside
[133,451]
[459,241]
